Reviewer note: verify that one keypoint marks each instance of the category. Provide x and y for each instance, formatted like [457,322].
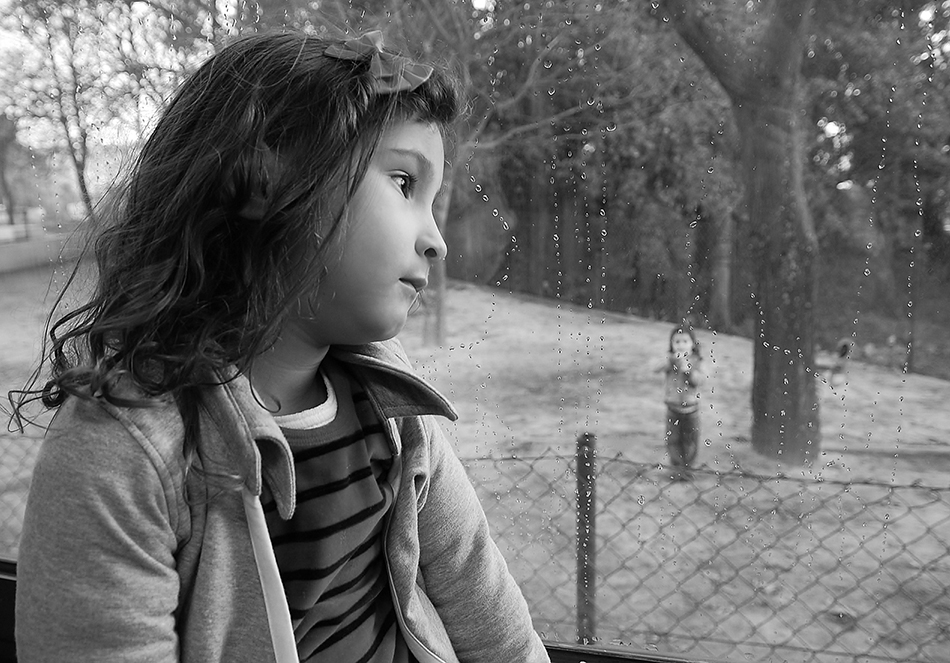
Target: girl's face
[682,344]
[389,242]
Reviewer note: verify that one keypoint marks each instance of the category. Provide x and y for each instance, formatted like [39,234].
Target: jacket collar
[396,389]
[249,439]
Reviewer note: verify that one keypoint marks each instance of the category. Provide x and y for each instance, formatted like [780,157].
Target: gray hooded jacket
[117,564]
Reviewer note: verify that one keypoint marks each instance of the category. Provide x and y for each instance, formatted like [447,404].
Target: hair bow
[390,72]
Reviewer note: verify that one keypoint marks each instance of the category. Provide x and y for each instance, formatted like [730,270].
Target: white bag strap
[278,613]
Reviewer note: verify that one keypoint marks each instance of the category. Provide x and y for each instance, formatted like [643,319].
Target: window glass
[772,185]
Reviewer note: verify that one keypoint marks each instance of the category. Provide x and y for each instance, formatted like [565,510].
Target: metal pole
[586,537]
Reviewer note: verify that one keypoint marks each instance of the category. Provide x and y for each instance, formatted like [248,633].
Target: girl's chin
[384,333]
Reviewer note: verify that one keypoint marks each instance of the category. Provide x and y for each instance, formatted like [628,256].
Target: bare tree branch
[530,80]
[440,26]
[520,130]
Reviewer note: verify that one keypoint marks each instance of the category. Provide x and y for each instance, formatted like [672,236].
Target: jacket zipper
[275,602]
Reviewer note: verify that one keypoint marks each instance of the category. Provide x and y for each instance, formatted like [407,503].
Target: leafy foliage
[599,160]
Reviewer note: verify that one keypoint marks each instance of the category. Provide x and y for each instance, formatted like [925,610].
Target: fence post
[586,537]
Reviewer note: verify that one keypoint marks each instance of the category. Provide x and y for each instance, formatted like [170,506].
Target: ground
[527,374]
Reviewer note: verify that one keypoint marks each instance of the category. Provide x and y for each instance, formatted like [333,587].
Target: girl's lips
[418,283]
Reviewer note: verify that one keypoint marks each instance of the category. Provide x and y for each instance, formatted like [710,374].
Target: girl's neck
[286,377]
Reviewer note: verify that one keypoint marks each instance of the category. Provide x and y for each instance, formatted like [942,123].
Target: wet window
[693,314]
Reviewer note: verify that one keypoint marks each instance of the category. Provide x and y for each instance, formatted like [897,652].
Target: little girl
[242,465]
[684,373]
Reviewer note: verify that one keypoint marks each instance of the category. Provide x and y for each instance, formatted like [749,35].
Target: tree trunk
[570,247]
[6,193]
[915,276]
[540,214]
[72,117]
[539,234]
[76,148]
[76,155]
[785,421]
[720,296]
[7,141]
[599,213]
[686,284]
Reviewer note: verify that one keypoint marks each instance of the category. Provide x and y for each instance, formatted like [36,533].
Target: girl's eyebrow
[422,161]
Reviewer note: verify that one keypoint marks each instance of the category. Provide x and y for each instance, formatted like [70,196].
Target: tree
[95,71]
[671,186]
[878,87]
[63,96]
[755,51]
[7,144]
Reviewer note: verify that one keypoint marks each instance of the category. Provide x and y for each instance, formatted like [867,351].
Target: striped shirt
[330,553]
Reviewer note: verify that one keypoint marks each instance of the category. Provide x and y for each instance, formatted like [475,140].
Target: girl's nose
[430,242]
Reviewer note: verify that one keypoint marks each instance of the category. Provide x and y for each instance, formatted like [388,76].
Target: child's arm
[96,577]
[695,373]
[465,575]
[664,366]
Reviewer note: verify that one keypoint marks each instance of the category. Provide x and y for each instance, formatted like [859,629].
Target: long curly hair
[189,280]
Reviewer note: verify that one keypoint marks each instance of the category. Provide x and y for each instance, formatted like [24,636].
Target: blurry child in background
[684,374]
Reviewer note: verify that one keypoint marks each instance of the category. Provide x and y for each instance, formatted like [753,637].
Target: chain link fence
[729,566]
[18,451]
[724,566]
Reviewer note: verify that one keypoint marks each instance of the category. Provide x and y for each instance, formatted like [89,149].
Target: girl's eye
[405,182]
